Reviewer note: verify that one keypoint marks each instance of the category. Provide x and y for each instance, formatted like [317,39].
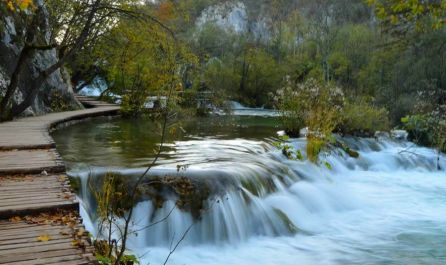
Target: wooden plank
[33,235]
[19,243]
[70,263]
[12,242]
[34,194]
[23,192]
[35,243]
[37,199]
[54,260]
[48,184]
[32,256]
[37,248]
[21,210]
[15,224]
[30,162]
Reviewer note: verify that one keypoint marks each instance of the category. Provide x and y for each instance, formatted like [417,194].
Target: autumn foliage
[14,5]
[165,11]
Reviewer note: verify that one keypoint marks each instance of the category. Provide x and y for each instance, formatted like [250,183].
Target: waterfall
[264,198]
[239,110]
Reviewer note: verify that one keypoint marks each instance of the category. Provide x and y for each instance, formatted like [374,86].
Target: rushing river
[386,207]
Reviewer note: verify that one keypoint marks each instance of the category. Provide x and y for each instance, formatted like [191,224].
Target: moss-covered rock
[189,195]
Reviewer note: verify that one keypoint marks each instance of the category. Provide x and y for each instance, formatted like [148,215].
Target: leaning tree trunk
[41,78]
[23,59]
[16,110]
[5,103]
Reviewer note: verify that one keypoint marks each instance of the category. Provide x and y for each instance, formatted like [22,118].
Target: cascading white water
[240,110]
[386,207]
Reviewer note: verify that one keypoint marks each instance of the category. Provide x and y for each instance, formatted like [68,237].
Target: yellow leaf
[81,232]
[11,6]
[64,233]
[44,238]
[15,219]
[24,4]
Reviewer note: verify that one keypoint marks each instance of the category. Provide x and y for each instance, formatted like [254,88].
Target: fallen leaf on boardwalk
[28,178]
[62,178]
[44,238]
[65,233]
[15,219]
[81,232]
[77,242]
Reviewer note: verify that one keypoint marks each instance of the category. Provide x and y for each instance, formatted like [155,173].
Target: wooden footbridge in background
[39,214]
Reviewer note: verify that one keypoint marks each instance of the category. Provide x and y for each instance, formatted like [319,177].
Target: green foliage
[314,104]
[300,43]
[113,197]
[17,5]
[219,78]
[125,260]
[141,60]
[315,146]
[328,165]
[60,101]
[263,75]
[75,184]
[104,260]
[288,150]
[351,53]
[289,105]
[212,41]
[427,129]
[360,117]
[403,15]
[130,260]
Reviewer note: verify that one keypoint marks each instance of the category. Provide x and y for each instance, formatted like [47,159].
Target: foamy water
[387,207]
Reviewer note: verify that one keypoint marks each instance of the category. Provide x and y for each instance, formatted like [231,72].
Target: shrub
[291,111]
[313,104]
[60,101]
[132,105]
[315,145]
[362,118]
[428,129]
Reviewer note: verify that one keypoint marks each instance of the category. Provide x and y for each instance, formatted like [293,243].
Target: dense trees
[141,59]
[384,52]
[403,16]
[349,43]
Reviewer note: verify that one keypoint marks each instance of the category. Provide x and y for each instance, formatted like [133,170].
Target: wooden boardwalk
[39,214]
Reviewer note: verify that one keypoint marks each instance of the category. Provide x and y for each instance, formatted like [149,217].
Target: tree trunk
[18,109]
[5,113]
[39,81]
[25,54]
